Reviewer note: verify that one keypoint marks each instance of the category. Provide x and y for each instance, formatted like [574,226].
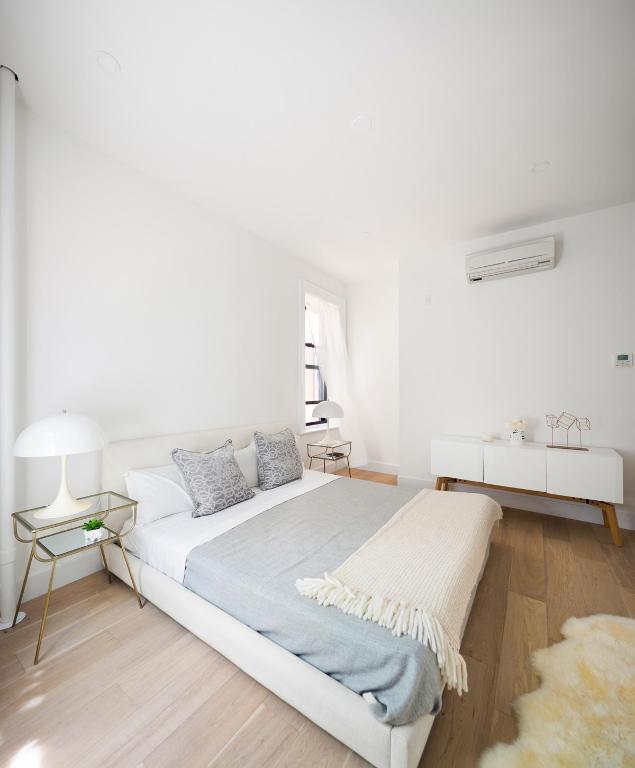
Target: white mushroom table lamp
[61,435]
[328,409]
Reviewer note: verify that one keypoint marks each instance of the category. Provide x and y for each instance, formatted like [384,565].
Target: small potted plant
[93,529]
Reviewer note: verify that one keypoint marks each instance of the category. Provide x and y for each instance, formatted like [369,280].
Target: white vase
[517,436]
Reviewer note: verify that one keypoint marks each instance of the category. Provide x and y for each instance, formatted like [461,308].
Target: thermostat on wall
[623,360]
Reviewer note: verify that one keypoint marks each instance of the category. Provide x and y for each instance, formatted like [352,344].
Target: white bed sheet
[166,543]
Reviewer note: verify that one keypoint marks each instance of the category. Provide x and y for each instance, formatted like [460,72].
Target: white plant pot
[95,535]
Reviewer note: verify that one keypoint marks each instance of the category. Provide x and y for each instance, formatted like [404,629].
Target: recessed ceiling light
[361,124]
[541,167]
[108,63]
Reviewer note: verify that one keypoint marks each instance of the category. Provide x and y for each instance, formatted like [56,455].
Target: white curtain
[326,326]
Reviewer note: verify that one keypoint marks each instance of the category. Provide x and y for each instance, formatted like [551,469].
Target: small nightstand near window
[53,539]
[333,452]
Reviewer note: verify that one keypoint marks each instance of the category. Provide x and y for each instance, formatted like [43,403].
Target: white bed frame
[333,707]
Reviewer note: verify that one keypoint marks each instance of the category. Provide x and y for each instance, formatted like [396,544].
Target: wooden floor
[366,474]
[122,687]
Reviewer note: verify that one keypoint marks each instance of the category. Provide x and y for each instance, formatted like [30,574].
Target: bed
[158,558]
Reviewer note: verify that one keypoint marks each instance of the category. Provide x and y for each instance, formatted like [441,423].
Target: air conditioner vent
[521,258]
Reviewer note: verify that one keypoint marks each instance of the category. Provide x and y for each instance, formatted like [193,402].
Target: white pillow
[159,491]
[246,458]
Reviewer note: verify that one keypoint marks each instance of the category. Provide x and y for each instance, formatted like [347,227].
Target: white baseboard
[379,466]
[587,513]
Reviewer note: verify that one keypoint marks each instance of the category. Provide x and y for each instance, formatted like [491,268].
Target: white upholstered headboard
[120,456]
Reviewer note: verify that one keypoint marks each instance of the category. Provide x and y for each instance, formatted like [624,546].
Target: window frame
[312,367]
[306,287]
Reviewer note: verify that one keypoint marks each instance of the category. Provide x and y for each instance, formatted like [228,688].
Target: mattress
[166,543]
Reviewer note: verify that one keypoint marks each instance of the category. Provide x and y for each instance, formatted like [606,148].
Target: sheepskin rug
[583,714]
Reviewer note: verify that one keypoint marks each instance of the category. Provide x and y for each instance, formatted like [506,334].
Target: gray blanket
[250,573]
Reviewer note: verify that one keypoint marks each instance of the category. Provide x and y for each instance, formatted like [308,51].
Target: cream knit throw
[415,575]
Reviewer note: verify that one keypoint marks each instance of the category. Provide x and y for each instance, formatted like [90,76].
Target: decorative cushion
[248,463]
[278,458]
[213,479]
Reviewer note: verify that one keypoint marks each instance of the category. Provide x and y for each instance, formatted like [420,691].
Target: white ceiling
[248,106]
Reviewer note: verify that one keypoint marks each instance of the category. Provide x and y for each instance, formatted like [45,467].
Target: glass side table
[53,539]
[331,452]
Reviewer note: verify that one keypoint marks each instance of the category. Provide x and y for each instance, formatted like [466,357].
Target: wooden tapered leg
[609,511]
[439,484]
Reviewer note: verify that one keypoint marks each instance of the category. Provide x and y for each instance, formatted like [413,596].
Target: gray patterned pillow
[213,479]
[278,458]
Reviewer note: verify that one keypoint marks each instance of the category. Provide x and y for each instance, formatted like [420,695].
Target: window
[314,385]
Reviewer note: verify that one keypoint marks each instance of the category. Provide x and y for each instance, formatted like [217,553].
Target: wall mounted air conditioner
[518,259]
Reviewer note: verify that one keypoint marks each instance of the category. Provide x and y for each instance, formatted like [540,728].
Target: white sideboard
[594,476]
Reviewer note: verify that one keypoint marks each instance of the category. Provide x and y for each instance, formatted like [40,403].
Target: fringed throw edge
[402,618]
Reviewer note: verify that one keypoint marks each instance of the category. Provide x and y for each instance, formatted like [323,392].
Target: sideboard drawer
[515,467]
[457,458]
[594,474]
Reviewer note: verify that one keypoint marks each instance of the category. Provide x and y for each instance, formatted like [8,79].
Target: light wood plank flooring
[366,474]
[122,687]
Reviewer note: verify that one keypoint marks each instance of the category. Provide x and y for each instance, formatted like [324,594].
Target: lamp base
[64,507]
[8,624]
[327,440]
[64,504]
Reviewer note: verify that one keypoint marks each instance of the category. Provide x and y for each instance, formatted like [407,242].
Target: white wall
[143,310]
[151,315]
[476,355]
[373,339]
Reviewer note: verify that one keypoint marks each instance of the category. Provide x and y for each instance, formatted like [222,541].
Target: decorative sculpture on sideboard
[565,421]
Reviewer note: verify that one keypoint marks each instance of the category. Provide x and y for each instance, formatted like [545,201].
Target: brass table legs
[132,581]
[46,603]
[26,576]
[103,559]
[50,589]
[45,614]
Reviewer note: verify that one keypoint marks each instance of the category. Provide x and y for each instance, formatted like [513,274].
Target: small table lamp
[328,409]
[61,435]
